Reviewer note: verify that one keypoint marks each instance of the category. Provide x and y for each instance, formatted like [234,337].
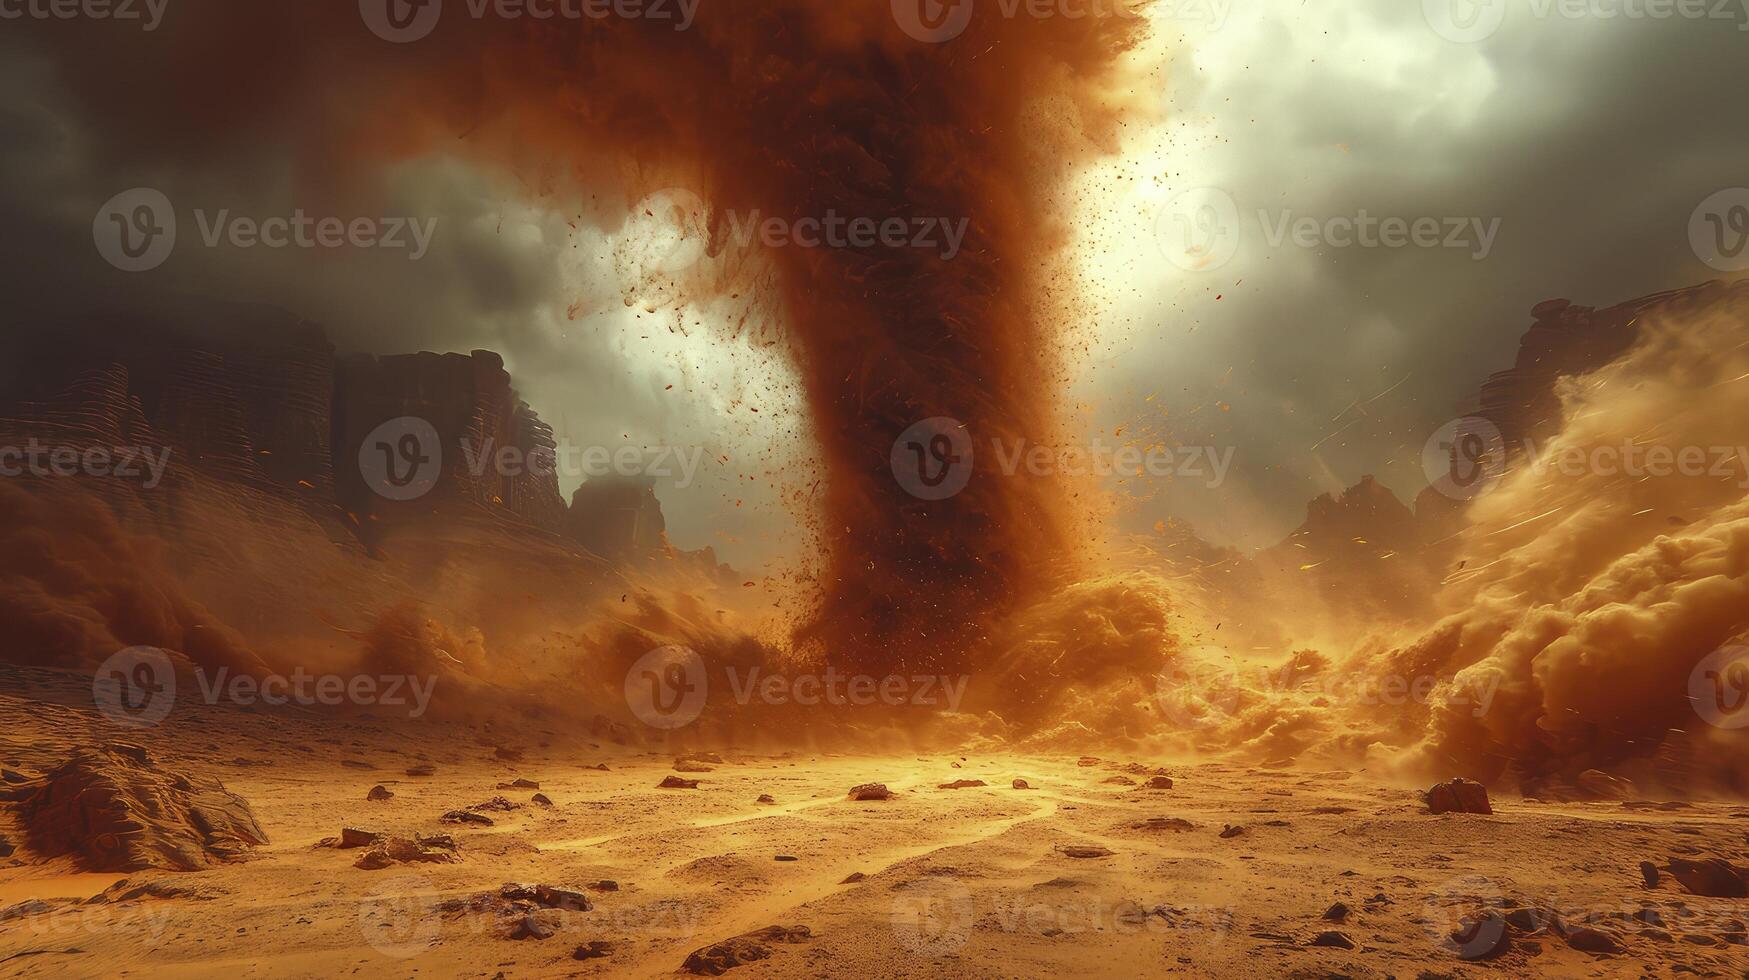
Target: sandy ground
[970,882]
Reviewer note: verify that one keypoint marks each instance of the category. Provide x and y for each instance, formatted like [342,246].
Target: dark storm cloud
[1591,141]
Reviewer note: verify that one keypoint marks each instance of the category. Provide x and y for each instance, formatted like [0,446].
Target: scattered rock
[765,798]
[1332,939]
[962,784]
[1458,796]
[1712,878]
[681,765]
[379,792]
[115,811]
[531,926]
[1158,782]
[520,784]
[1336,913]
[1481,937]
[675,782]
[606,885]
[351,837]
[1649,872]
[854,877]
[595,949]
[1084,851]
[719,958]
[1021,784]
[388,851]
[1230,831]
[466,816]
[785,857]
[422,770]
[1118,781]
[871,791]
[546,896]
[1175,824]
[1593,941]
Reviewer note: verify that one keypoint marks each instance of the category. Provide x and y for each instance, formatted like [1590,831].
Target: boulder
[114,810]
[1458,796]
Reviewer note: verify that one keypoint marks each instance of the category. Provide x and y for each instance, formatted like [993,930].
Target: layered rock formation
[263,515]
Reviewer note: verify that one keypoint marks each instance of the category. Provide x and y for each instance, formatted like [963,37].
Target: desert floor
[972,882]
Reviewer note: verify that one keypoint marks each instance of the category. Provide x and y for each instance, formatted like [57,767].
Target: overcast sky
[1579,146]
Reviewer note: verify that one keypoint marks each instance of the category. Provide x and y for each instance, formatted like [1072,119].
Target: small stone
[785,857]
[765,798]
[1649,871]
[1158,782]
[466,816]
[675,782]
[540,799]
[530,927]
[1332,939]
[379,792]
[961,784]
[1084,851]
[853,878]
[1336,913]
[1230,831]
[1021,784]
[593,950]
[871,791]
[1593,941]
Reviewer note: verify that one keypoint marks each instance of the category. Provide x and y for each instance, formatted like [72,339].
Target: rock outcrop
[114,810]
